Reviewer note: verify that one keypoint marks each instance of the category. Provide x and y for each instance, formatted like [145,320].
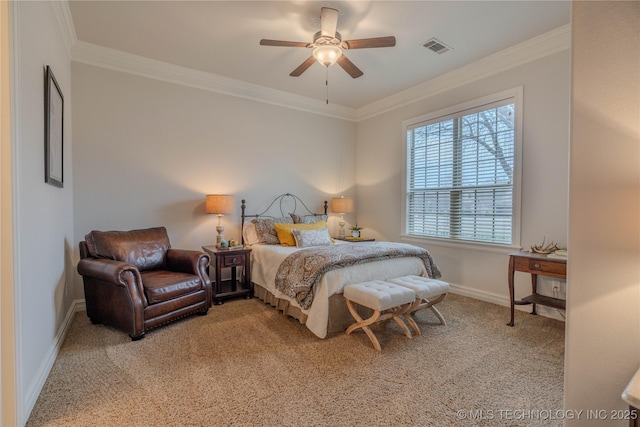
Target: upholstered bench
[428,293]
[387,301]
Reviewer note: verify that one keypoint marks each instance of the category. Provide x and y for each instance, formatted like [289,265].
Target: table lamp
[219,204]
[342,205]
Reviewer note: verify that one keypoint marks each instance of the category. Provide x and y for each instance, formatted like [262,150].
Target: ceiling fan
[328,45]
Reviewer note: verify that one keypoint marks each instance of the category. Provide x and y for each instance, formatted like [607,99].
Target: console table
[535,264]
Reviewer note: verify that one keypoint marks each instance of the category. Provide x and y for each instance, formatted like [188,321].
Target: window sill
[460,244]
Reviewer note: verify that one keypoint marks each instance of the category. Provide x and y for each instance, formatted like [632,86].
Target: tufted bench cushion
[428,293]
[424,287]
[387,300]
[379,295]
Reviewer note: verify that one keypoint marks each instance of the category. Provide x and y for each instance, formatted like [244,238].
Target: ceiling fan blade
[303,67]
[388,41]
[349,67]
[328,21]
[267,42]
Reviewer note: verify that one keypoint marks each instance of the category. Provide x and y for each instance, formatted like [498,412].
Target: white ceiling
[222,38]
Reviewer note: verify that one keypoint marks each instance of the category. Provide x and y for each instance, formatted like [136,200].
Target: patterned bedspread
[299,273]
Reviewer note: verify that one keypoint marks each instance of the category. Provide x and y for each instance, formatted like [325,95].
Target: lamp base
[219,237]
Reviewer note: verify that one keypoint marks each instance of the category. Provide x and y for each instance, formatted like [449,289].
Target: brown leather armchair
[135,282]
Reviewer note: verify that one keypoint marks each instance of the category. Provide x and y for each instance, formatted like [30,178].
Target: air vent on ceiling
[436,46]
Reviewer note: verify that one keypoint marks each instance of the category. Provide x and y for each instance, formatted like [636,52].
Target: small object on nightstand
[355,231]
[230,258]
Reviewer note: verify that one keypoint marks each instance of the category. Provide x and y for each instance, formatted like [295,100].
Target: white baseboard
[502,300]
[45,368]
[79,305]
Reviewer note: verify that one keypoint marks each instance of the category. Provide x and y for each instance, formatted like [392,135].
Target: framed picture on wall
[53,127]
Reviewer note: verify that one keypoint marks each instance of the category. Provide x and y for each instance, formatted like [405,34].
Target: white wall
[44,214]
[544,174]
[146,152]
[603,320]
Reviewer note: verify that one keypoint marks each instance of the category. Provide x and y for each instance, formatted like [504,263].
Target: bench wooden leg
[364,324]
[401,311]
[415,306]
[377,317]
[424,303]
[438,315]
[431,304]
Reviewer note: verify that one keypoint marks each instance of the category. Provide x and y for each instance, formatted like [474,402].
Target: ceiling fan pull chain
[326,82]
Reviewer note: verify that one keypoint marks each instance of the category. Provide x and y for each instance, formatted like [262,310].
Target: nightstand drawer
[547,266]
[232,260]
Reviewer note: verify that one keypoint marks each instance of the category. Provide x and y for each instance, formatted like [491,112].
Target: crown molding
[546,44]
[65,22]
[538,47]
[113,59]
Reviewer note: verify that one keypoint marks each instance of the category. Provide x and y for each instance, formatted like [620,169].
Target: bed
[282,275]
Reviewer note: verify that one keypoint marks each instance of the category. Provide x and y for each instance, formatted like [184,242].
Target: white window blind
[460,175]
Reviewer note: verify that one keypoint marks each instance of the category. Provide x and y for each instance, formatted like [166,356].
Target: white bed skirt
[339,317]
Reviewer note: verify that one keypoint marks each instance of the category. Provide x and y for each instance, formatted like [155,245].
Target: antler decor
[542,249]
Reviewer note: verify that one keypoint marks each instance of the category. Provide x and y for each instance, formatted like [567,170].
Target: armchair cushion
[162,285]
[144,249]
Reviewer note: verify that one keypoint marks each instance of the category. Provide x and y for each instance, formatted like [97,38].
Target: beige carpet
[246,364]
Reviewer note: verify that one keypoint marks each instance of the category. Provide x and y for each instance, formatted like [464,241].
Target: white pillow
[249,233]
[307,219]
[307,238]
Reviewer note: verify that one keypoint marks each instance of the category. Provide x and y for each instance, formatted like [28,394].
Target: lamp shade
[342,205]
[219,204]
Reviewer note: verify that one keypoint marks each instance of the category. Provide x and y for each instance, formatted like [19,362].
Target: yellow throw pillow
[284,231]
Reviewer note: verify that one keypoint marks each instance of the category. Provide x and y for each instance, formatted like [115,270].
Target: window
[461,172]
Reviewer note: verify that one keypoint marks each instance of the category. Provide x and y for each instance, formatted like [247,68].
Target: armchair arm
[106,270]
[186,261]
[114,294]
[113,272]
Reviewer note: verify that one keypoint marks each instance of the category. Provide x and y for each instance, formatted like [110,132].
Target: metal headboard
[280,199]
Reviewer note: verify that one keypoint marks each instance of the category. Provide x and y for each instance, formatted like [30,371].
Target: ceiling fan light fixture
[328,46]
[327,55]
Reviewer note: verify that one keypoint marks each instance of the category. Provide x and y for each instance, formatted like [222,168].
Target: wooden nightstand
[225,258]
[354,239]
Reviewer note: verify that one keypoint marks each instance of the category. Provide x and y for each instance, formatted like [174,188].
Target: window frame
[516,95]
